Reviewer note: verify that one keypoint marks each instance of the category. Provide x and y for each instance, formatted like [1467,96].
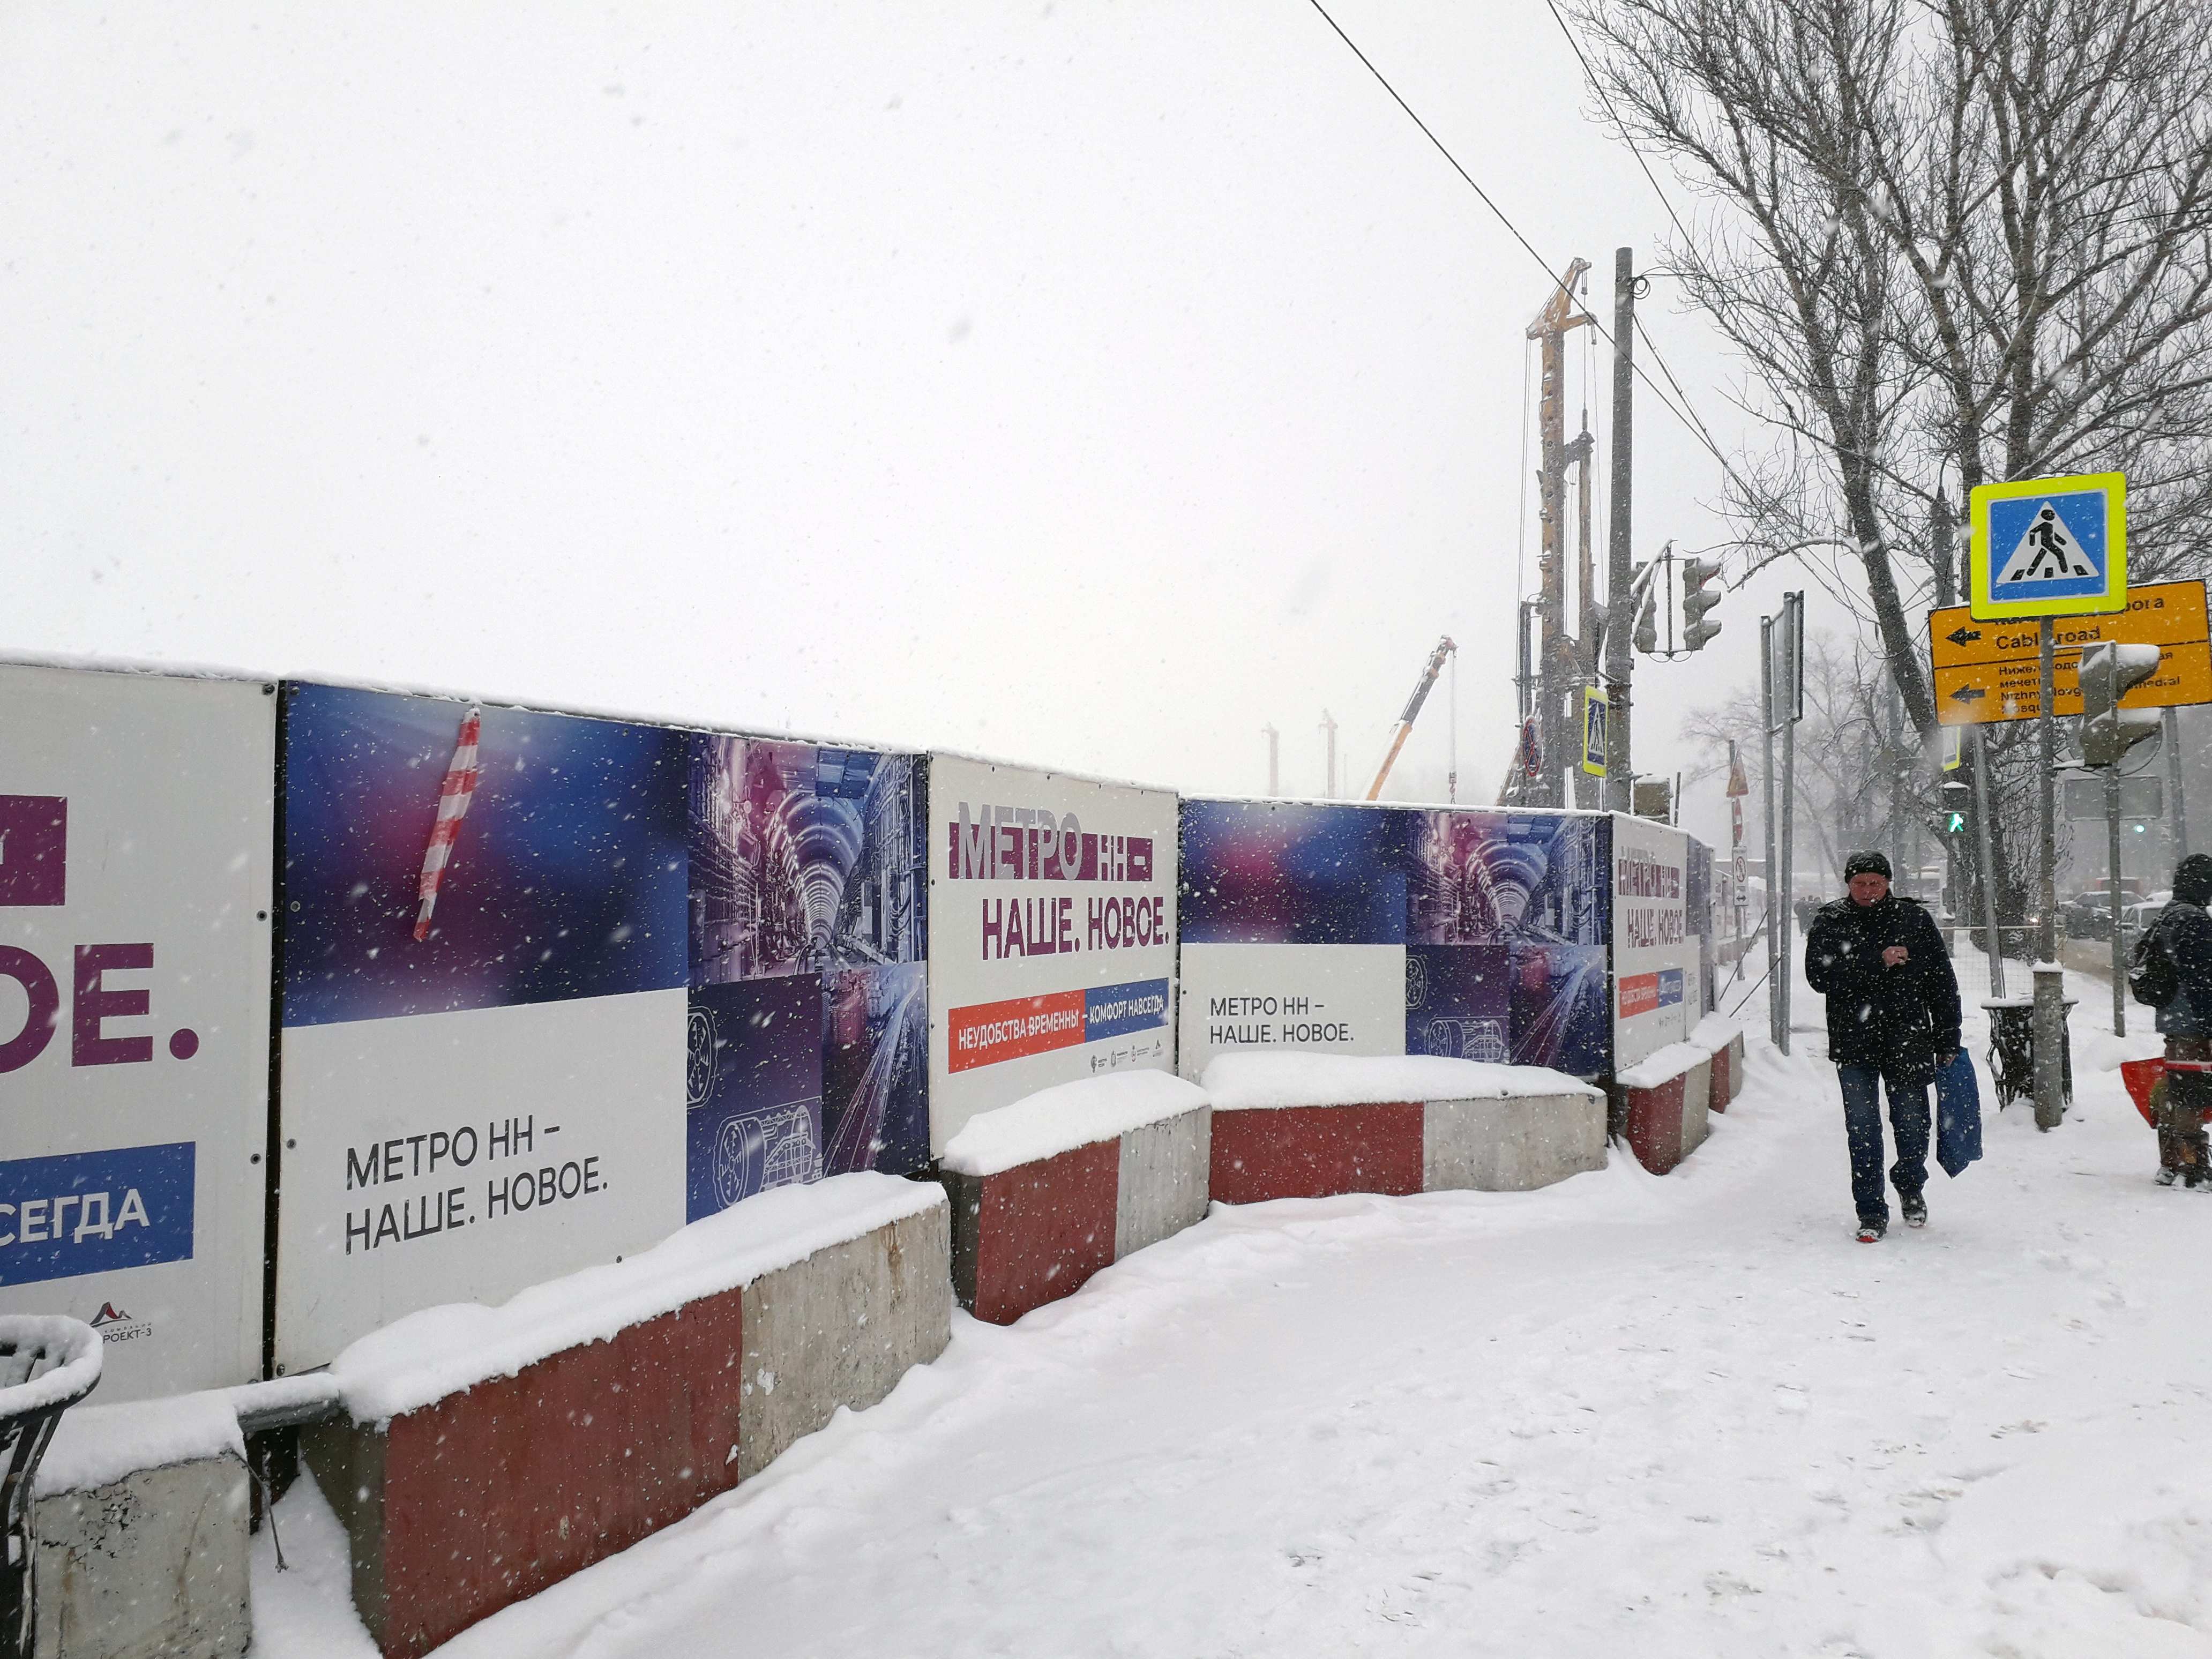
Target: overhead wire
[1695,428]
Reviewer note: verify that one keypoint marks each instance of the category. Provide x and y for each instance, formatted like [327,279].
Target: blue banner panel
[753,1090]
[87,1212]
[1490,878]
[1112,1011]
[1459,1002]
[567,880]
[1560,1016]
[1274,873]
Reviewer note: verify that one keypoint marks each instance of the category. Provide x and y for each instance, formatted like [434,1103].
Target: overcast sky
[1089,384]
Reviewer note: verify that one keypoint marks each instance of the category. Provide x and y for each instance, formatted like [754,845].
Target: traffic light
[1955,795]
[1647,621]
[2108,673]
[1696,600]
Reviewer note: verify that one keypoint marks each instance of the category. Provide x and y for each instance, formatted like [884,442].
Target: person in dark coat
[1893,1020]
[2184,930]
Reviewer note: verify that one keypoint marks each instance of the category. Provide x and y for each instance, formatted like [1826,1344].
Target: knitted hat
[1866,864]
[2192,879]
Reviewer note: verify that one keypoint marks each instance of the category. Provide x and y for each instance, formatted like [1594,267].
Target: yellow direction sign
[1986,671]
[1980,693]
[2163,613]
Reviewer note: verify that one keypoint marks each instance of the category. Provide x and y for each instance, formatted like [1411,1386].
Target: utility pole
[1274,758]
[1329,735]
[2046,806]
[1620,660]
[1583,453]
[1555,654]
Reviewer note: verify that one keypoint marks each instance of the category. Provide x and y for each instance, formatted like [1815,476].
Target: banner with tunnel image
[665,970]
[1383,930]
[806,1047]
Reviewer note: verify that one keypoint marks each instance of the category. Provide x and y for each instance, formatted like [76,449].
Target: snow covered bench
[490,1452]
[1288,1125]
[142,1519]
[1665,1099]
[1722,1038]
[1068,1181]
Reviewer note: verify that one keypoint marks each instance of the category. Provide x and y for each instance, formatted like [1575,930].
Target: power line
[1694,427]
[1598,87]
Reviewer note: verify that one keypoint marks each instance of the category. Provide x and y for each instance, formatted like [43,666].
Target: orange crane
[1436,666]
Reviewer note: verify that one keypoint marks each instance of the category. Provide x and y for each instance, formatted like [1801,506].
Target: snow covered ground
[1624,1415]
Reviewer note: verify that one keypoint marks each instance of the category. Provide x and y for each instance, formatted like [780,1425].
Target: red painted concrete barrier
[1288,1125]
[1047,1192]
[1667,1098]
[1317,1151]
[1722,1039]
[490,1453]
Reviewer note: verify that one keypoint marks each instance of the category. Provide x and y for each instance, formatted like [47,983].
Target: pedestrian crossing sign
[2049,547]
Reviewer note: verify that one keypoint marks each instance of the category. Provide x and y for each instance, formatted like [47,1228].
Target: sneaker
[1916,1211]
[1871,1229]
[2167,1175]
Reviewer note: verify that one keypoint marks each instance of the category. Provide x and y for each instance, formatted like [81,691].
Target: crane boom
[1436,666]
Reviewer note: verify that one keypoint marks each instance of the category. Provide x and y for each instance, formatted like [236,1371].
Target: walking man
[1893,1020]
[2184,933]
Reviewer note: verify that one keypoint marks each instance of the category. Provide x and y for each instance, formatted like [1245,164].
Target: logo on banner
[992,1032]
[1643,993]
[88,1213]
[33,849]
[115,1325]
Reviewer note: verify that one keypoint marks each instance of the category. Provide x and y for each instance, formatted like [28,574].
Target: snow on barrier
[1722,1039]
[1069,1180]
[142,1530]
[1308,1126]
[1665,1099]
[490,1452]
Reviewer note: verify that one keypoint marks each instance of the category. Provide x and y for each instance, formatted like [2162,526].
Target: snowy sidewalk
[1623,1415]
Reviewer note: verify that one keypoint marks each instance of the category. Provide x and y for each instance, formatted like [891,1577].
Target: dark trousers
[1908,1122]
[2180,1113]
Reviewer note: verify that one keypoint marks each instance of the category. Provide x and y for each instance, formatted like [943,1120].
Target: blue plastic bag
[1958,1114]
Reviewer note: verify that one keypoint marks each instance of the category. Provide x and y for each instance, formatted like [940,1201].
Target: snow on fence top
[1672,1061]
[1715,1032]
[1071,1114]
[1238,1082]
[425,1356]
[97,1445]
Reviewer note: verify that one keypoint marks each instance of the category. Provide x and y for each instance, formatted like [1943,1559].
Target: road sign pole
[2047,802]
[1988,864]
[2112,854]
[1793,692]
[1775,1030]
[2177,823]
[2050,987]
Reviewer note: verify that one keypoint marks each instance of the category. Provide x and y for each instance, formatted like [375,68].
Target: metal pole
[1451,777]
[1274,754]
[1620,608]
[2050,1045]
[1985,854]
[2112,854]
[1328,732]
[2049,982]
[1793,687]
[1774,1030]
[2177,823]
[2046,803]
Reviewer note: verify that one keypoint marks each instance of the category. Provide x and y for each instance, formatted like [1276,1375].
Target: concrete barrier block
[492,1494]
[840,1328]
[1513,1145]
[153,1563]
[1162,1180]
[1697,1106]
[1316,1151]
[1035,1232]
[1654,1117]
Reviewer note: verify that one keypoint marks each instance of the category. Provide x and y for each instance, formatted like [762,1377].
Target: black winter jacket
[1899,1020]
[2186,931]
